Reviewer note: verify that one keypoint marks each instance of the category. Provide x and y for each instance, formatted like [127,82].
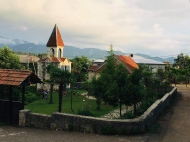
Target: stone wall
[63,121]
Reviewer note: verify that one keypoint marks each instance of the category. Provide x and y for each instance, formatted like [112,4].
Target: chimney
[131,55]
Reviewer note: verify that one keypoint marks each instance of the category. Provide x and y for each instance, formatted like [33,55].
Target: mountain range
[69,51]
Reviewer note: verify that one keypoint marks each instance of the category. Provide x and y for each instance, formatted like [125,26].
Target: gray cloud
[151,27]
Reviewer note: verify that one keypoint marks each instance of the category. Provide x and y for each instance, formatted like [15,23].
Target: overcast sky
[154,27]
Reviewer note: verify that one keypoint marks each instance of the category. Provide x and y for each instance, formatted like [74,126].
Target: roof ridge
[55,38]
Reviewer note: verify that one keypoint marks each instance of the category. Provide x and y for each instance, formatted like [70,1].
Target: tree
[122,86]
[50,68]
[136,88]
[182,61]
[9,60]
[97,90]
[87,86]
[62,77]
[108,76]
[80,68]
[147,80]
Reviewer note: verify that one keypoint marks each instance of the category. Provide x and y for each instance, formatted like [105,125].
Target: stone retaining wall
[63,121]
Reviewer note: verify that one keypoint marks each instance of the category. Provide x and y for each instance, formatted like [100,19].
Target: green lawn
[43,106]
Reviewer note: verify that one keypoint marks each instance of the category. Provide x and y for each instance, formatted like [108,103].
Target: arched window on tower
[52,52]
[59,53]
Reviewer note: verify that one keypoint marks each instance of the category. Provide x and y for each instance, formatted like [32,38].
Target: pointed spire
[55,38]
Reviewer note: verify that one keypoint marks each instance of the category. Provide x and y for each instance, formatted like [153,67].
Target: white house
[155,65]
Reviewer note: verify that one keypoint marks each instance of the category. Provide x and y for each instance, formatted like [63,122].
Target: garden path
[90,97]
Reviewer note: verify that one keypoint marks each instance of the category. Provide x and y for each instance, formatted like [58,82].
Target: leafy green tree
[147,80]
[174,75]
[80,68]
[182,61]
[9,60]
[181,67]
[108,77]
[97,90]
[50,68]
[122,86]
[87,86]
[61,77]
[136,89]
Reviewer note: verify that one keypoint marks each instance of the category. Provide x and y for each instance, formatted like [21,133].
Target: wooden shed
[9,109]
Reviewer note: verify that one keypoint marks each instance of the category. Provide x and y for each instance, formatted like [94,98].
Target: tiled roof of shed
[55,38]
[17,77]
[130,63]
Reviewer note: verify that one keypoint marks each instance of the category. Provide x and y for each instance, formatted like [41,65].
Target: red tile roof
[96,68]
[17,77]
[130,63]
[126,60]
[92,68]
[61,59]
[43,60]
[55,38]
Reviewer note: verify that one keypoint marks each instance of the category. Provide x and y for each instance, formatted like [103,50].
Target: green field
[44,107]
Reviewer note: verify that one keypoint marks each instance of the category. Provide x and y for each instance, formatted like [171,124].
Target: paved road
[175,123]
[174,127]
[13,134]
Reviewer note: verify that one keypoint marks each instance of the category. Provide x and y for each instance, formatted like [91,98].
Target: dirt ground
[175,122]
[172,126]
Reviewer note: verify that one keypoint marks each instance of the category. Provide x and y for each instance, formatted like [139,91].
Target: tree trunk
[120,108]
[60,97]
[51,91]
[135,109]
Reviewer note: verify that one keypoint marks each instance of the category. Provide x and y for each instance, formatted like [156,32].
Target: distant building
[98,65]
[55,47]
[154,65]
[25,60]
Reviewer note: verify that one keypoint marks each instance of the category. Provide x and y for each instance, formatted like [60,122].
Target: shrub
[128,115]
[84,112]
[30,97]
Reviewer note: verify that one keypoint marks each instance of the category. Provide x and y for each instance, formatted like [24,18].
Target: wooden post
[23,93]
[11,103]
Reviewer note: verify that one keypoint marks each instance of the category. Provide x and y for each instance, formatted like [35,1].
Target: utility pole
[28,57]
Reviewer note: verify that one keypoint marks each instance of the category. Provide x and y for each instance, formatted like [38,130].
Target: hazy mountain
[92,53]
[7,41]
[169,59]
[69,51]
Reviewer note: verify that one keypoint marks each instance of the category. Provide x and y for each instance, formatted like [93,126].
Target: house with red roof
[127,61]
[55,48]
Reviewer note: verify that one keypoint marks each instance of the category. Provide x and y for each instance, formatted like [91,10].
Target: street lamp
[28,57]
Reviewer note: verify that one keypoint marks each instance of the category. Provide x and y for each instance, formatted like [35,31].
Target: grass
[44,107]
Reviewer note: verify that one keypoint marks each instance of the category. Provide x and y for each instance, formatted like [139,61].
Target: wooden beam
[23,93]
[11,103]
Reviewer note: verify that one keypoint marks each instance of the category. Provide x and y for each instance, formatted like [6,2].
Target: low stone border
[70,122]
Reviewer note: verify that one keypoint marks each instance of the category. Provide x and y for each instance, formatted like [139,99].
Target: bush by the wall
[30,97]
[84,112]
